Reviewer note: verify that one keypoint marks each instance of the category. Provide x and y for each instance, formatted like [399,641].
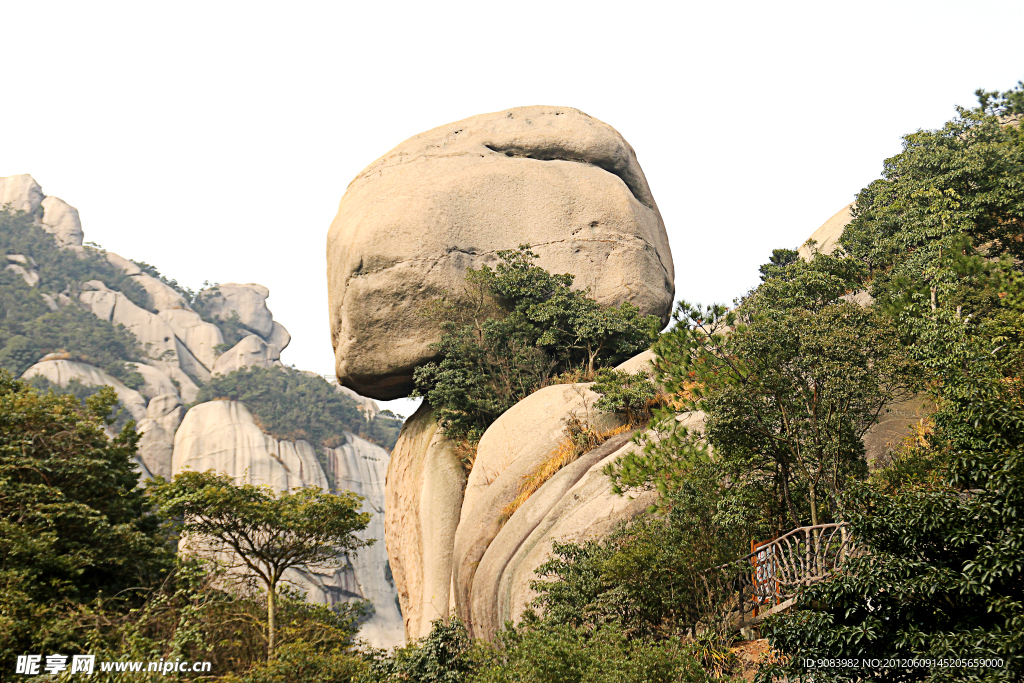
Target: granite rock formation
[181,348]
[448,199]
[451,548]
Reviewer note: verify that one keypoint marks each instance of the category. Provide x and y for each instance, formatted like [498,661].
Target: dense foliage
[292,405]
[87,563]
[956,189]
[942,580]
[29,329]
[62,270]
[74,526]
[514,329]
[788,384]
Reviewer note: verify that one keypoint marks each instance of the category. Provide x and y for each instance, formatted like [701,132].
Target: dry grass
[465,451]
[575,444]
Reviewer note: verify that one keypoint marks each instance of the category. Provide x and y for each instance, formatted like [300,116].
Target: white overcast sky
[214,139]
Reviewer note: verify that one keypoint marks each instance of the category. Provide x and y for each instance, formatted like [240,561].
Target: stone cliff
[183,346]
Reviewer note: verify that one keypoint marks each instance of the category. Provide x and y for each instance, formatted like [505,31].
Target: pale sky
[214,139]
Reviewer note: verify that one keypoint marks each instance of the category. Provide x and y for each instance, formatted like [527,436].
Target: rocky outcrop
[279,337]
[250,352]
[161,296]
[157,382]
[20,193]
[504,460]
[826,238]
[423,500]
[154,334]
[446,200]
[249,301]
[482,569]
[222,436]
[156,447]
[25,266]
[200,337]
[62,221]
[60,372]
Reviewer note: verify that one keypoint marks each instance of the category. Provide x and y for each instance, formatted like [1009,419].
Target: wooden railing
[767,580]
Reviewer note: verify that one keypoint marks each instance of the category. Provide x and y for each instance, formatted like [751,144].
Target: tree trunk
[271,625]
[814,504]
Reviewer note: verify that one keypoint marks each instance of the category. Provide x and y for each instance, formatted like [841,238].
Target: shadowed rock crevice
[617,167]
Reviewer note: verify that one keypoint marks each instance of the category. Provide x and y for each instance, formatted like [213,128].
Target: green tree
[943,577]
[74,525]
[259,532]
[956,189]
[789,384]
[514,328]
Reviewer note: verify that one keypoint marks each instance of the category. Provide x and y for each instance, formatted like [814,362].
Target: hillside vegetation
[788,380]
[292,405]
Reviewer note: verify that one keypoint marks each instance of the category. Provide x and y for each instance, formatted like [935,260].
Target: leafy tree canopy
[74,525]
[515,328]
[255,530]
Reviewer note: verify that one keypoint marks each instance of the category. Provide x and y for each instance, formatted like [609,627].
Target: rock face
[61,220]
[21,193]
[422,505]
[250,352]
[201,338]
[154,334]
[156,447]
[481,568]
[827,236]
[446,200]
[249,301]
[222,435]
[504,459]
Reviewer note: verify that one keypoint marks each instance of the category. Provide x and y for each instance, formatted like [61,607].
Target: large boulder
[20,193]
[446,200]
[423,497]
[61,220]
[248,301]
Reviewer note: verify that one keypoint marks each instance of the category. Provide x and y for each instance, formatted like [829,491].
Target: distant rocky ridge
[183,347]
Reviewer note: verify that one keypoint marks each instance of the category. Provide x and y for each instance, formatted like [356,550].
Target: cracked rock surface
[448,199]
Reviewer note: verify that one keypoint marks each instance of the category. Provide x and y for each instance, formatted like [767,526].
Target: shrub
[513,329]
